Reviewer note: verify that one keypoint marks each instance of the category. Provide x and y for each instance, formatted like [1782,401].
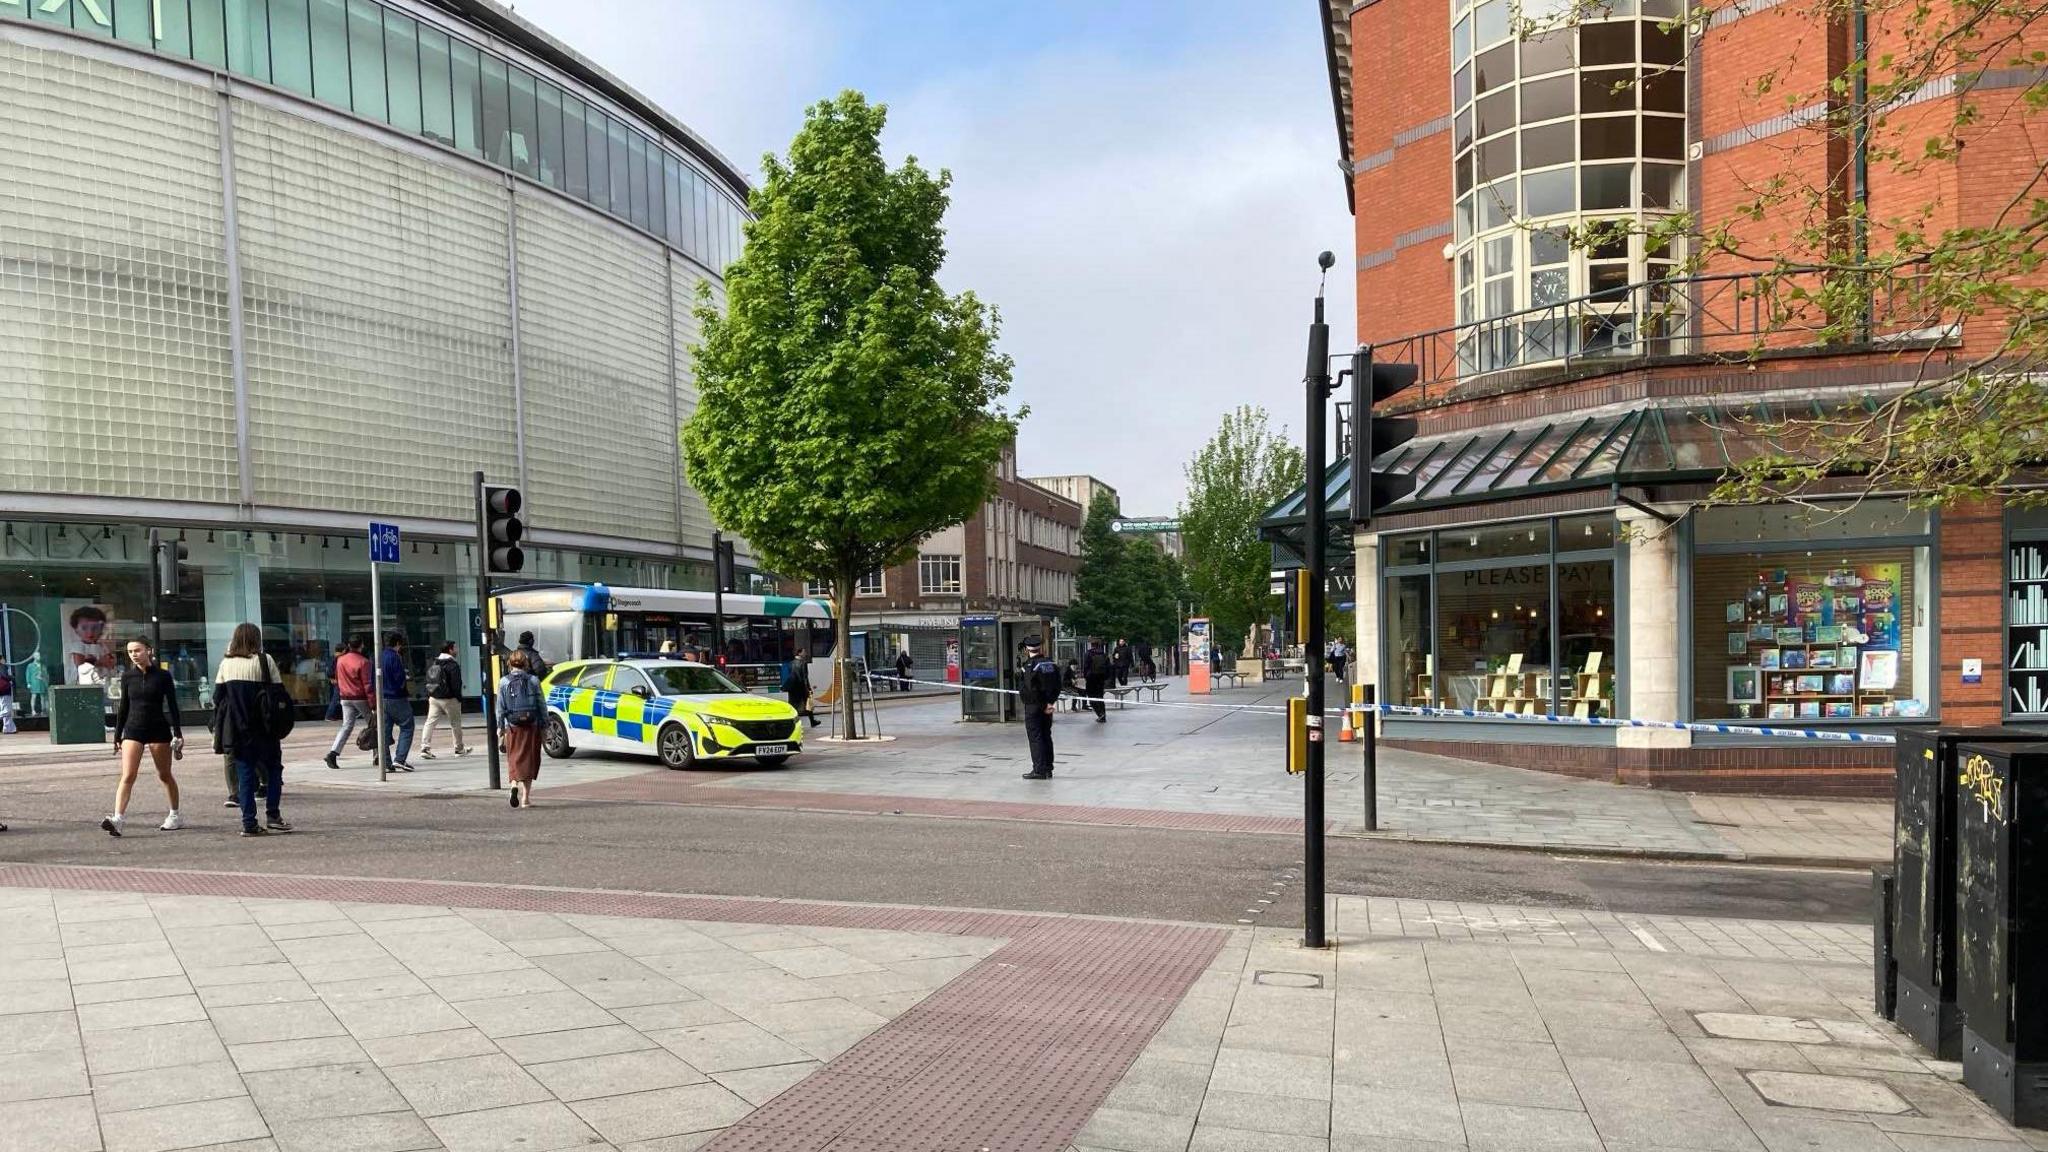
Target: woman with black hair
[146,720]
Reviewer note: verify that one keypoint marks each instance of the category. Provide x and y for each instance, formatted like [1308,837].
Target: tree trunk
[842,627]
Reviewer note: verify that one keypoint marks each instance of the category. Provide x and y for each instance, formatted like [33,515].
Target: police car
[682,712]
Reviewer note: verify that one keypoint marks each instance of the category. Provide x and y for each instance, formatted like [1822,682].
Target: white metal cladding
[696,517]
[114,363]
[378,321]
[593,345]
[377,306]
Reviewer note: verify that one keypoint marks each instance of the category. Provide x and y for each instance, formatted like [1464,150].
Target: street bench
[1236,678]
[1158,692]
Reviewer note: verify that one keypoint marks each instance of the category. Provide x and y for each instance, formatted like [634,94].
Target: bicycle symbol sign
[383,543]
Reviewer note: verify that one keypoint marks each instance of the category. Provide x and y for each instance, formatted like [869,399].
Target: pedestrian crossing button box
[1923,928]
[2001,843]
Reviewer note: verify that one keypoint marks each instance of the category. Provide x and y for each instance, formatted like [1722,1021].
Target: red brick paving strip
[656,788]
[1013,1055]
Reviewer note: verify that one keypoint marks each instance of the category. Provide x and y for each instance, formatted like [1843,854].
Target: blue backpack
[520,701]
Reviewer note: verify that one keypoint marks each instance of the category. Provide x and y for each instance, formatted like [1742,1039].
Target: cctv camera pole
[1312,635]
[487,649]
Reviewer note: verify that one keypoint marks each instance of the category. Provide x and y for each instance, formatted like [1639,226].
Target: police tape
[1616,722]
[1131,698]
[1820,734]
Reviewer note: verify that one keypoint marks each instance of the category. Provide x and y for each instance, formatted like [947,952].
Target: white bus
[763,634]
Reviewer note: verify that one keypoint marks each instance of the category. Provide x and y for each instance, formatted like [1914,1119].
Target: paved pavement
[152,1010]
[1205,763]
[1211,765]
[1435,1027]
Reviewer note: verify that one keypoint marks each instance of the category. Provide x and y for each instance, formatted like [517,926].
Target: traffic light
[725,562]
[166,560]
[503,529]
[1375,436]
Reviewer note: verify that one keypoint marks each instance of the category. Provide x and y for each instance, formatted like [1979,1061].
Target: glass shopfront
[1812,615]
[1516,617]
[73,594]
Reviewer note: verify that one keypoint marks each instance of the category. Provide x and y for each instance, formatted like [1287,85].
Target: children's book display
[2026,635]
[1818,647]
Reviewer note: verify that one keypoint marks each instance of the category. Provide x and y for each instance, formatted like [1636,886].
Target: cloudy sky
[1141,186]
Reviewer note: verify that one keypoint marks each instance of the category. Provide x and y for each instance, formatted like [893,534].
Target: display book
[2026,632]
[1823,648]
[1510,689]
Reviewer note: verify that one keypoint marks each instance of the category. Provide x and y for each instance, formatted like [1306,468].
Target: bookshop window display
[1811,615]
[1504,618]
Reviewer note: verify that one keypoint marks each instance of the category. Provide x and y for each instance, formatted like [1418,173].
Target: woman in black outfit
[147,717]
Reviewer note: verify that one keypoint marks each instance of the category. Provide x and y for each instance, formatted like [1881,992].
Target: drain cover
[1827,1093]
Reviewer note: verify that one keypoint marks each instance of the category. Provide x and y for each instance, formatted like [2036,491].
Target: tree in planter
[1244,469]
[848,406]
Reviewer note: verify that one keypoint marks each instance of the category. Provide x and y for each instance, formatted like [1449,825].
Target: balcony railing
[1731,314]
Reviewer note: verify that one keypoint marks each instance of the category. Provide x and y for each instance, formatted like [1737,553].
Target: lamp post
[1318,395]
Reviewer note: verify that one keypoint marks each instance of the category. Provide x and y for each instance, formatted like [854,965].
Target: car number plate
[771,749]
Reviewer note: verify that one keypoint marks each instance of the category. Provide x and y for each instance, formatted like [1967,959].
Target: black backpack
[278,714]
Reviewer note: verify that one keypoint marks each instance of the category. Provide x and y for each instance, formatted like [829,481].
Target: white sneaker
[426,753]
[171,823]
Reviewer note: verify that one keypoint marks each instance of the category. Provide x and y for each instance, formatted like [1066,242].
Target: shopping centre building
[270,269]
[1577,404]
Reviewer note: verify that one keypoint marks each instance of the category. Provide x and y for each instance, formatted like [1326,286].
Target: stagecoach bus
[763,634]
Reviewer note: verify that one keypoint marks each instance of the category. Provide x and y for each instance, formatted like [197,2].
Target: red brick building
[1577,404]
[1018,555]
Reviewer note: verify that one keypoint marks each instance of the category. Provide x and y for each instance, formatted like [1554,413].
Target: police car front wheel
[675,747]
[556,742]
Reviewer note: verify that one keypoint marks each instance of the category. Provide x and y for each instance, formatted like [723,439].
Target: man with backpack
[444,700]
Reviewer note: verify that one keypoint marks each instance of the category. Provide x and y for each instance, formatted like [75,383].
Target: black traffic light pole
[487,637]
[1371,438]
[1312,639]
[156,580]
[717,599]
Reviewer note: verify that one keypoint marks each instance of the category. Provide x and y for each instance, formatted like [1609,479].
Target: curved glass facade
[380,63]
[1552,132]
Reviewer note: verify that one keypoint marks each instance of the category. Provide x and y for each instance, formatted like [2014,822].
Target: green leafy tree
[848,406]
[1105,593]
[1160,587]
[1244,469]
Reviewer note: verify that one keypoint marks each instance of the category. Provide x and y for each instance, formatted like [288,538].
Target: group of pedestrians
[251,716]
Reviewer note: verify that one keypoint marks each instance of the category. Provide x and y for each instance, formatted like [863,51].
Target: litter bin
[1924,901]
[2002,926]
[78,714]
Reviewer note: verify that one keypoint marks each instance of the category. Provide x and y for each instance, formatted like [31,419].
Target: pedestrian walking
[1148,670]
[1338,655]
[397,705]
[146,719]
[534,664]
[353,682]
[1120,662]
[1038,694]
[903,666]
[6,700]
[444,700]
[1095,673]
[519,728]
[798,687]
[246,726]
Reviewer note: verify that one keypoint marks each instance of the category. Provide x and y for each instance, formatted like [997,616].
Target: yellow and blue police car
[682,712]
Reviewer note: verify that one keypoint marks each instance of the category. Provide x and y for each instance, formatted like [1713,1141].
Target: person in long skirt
[519,724]
[146,720]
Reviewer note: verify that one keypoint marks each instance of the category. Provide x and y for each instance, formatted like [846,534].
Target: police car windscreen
[690,680]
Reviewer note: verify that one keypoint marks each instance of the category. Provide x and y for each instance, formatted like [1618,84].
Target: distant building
[1080,489]
[1018,555]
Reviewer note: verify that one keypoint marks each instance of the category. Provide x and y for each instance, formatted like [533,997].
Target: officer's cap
[1031,642]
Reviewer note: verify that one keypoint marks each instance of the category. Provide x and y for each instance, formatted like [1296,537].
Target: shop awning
[1636,446]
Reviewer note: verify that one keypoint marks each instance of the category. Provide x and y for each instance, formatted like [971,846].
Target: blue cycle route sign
[383,543]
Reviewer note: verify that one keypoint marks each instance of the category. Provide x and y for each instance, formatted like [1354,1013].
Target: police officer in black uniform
[1038,692]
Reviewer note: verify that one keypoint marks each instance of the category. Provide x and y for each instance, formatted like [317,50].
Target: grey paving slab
[393,1029]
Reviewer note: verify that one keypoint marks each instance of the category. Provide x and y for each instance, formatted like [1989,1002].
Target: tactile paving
[1013,1055]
